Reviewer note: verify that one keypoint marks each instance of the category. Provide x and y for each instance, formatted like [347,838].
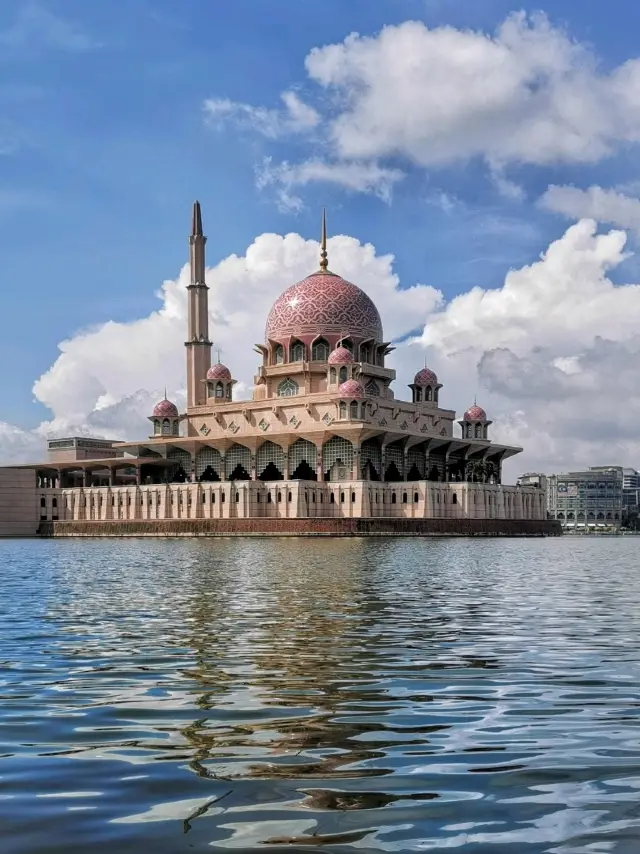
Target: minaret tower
[197,343]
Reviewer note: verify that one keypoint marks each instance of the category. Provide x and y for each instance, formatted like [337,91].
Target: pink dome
[340,356]
[425,377]
[165,409]
[323,303]
[351,388]
[219,372]
[475,413]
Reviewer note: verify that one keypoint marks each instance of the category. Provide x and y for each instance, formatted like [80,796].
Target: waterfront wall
[18,504]
[292,500]
[337,527]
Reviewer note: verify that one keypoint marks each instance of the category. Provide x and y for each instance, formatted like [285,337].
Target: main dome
[323,304]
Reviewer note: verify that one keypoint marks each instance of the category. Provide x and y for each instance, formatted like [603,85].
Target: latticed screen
[302,451]
[320,351]
[336,450]
[343,409]
[372,389]
[354,409]
[395,457]
[269,452]
[297,352]
[278,354]
[237,455]
[180,458]
[208,458]
[416,458]
[370,453]
[287,388]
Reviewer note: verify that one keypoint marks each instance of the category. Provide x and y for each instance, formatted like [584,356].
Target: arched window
[166,427]
[332,499]
[393,498]
[347,343]
[353,498]
[297,351]
[156,427]
[428,394]
[279,497]
[363,411]
[287,388]
[365,353]
[320,350]
[228,395]
[343,409]
[43,502]
[332,375]
[237,497]
[372,389]
[404,497]
[219,389]
[342,498]
[418,395]
[289,496]
[454,498]
[343,374]
[478,431]
[278,354]
[354,409]
[416,497]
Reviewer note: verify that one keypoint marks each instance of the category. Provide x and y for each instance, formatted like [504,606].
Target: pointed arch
[270,462]
[288,388]
[320,350]
[238,463]
[297,351]
[337,458]
[302,460]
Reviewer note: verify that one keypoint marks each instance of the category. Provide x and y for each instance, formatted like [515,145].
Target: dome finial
[165,393]
[323,243]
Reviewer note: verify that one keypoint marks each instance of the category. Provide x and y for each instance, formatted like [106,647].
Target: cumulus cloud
[610,206]
[526,94]
[553,353]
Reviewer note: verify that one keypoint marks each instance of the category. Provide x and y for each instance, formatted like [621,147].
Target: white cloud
[609,206]
[526,94]
[296,117]
[362,177]
[553,354]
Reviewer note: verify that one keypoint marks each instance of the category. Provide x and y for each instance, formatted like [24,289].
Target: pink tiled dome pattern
[165,409]
[219,372]
[351,389]
[340,356]
[324,303]
[425,377]
[475,413]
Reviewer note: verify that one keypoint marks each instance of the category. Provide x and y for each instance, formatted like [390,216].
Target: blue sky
[105,143]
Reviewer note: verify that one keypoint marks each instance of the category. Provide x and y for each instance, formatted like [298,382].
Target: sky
[479,163]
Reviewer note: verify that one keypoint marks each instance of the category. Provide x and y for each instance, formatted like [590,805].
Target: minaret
[197,343]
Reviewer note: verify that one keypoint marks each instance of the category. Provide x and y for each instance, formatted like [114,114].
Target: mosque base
[318,527]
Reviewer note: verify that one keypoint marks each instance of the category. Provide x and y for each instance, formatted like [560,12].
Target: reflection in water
[364,695]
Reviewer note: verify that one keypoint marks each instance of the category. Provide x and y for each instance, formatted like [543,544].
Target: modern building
[584,501]
[630,490]
[323,435]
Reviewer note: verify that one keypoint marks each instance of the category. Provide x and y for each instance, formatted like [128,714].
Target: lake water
[356,695]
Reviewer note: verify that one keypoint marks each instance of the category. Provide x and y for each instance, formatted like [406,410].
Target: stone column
[286,466]
[405,463]
[357,464]
[319,466]
[138,475]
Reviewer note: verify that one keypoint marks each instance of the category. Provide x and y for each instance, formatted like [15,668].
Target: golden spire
[323,243]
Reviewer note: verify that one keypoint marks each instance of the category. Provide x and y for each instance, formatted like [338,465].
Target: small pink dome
[352,388]
[165,409]
[340,356]
[475,413]
[425,377]
[219,372]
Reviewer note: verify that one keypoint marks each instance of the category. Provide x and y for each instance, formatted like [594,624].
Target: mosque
[322,437]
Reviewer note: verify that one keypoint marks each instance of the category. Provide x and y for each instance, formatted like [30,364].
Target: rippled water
[367,695]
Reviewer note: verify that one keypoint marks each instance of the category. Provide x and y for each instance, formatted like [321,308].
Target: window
[418,395]
[454,498]
[342,498]
[279,497]
[297,352]
[365,353]
[223,498]
[289,496]
[287,388]
[237,497]
[353,498]
[219,390]
[269,499]
[372,389]
[428,394]
[332,499]
[416,497]
[156,427]
[478,431]
[354,409]
[363,410]
[343,409]
[393,498]
[320,351]
[343,374]
[166,427]
[332,375]
[278,355]
[404,497]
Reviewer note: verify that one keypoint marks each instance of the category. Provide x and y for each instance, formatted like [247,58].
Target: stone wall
[18,503]
[305,528]
[293,500]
